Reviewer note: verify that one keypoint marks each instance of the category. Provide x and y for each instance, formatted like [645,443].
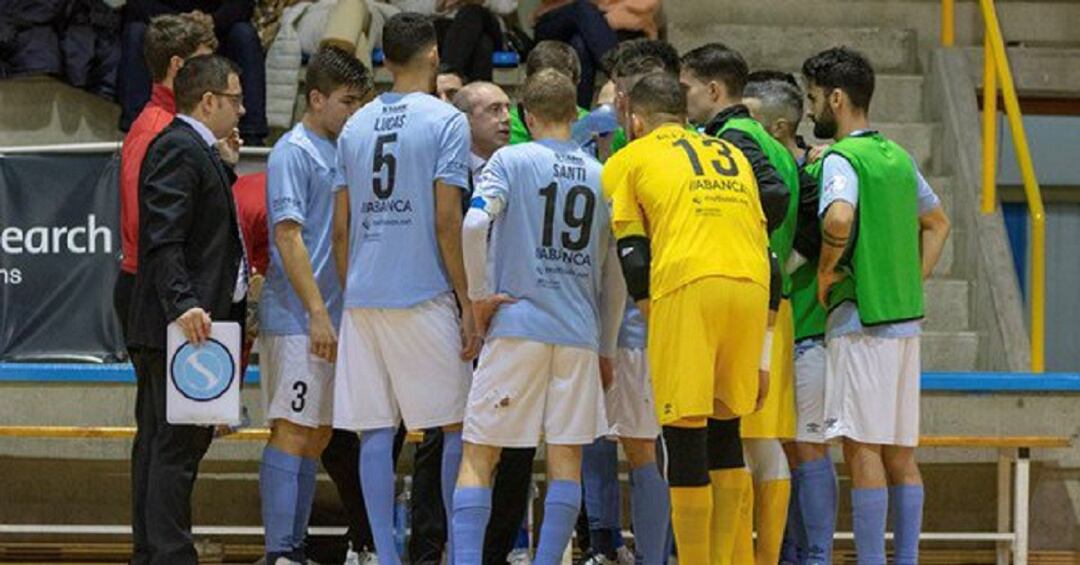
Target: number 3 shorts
[296,386]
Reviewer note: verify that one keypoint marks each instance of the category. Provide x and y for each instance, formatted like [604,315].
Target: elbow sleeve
[776,282]
[635,257]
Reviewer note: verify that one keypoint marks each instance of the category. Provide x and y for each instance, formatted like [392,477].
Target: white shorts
[405,363]
[522,388]
[629,400]
[810,391]
[296,386]
[872,389]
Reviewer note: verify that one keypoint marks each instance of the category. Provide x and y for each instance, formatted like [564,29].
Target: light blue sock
[305,496]
[790,549]
[451,461]
[600,481]
[905,506]
[278,478]
[869,506]
[650,509]
[472,509]
[817,505]
[377,483]
[561,508]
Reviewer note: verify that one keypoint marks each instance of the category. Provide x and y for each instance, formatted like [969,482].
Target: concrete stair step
[897,98]
[41,110]
[1036,70]
[946,304]
[918,138]
[786,47]
[1021,20]
[949,351]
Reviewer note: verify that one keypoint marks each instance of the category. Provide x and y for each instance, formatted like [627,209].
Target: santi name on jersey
[576,258]
[734,185]
[387,123]
[569,172]
[392,205]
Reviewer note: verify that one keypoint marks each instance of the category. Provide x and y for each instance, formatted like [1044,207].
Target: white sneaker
[624,556]
[519,557]
[599,559]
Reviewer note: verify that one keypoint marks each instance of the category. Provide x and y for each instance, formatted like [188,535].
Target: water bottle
[600,121]
[401,517]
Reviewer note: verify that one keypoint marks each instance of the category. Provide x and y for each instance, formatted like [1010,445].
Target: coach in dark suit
[191,270]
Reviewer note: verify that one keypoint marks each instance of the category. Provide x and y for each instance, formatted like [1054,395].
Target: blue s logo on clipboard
[203,373]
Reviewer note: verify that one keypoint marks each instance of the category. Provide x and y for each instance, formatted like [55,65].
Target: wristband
[766,351]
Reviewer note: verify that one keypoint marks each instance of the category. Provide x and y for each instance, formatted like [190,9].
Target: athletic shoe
[519,557]
[624,556]
[599,559]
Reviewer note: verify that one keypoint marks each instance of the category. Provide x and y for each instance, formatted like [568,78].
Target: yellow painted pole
[989,130]
[1037,274]
[947,22]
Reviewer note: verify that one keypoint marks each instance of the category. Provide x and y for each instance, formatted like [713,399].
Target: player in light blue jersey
[551,300]
[301,301]
[406,342]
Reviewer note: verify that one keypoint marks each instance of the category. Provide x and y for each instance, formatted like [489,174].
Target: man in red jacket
[170,40]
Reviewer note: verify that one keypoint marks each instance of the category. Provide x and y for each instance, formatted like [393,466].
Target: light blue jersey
[549,241]
[390,154]
[839,182]
[632,331]
[299,188]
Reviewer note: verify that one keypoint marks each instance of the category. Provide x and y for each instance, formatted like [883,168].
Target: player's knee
[724,445]
[320,439]
[564,462]
[291,438]
[688,460]
[900,465]
[639,452]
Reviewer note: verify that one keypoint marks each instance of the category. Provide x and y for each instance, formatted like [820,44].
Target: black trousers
[582,25]
[125,284]
[240,43]
[467,42]
[164,464]
[341,458]
[509,503]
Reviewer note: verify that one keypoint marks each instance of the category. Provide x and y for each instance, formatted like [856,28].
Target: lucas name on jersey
[389,210]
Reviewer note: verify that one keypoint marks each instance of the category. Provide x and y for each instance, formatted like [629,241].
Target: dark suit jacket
[189,242]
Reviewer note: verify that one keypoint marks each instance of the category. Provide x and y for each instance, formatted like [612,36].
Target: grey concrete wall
[43,110]
[984,256]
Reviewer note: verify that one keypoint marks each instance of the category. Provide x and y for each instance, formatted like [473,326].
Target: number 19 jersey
[390,154]
[696,199]
[549,241]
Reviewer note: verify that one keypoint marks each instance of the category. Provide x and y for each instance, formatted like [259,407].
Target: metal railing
[996,72]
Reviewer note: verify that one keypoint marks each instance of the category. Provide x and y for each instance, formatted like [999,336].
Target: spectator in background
[592,28]
[469,32]
[237,38]
[169,41]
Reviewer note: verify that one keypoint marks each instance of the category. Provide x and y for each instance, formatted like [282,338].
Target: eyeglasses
[233,97]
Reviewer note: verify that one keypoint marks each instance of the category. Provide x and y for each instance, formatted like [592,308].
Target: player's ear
[716,90]
[637,125]
[530,121]
[836,98]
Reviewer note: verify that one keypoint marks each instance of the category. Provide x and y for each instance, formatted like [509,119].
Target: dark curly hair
[843,68]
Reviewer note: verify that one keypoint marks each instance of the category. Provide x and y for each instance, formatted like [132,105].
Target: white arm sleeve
[475,251]
[612,302]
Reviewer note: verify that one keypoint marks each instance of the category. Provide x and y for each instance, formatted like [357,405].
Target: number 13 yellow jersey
[695,198]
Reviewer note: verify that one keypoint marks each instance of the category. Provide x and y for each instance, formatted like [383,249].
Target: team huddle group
[698,282]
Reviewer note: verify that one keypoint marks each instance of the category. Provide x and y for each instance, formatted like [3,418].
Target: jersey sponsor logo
[203,373]
[398,205]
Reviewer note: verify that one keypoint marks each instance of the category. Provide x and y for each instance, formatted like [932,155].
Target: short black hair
[843,68]
[331,68]
[716,61]
[406,34]
[199,75]
[550,54]
[658,93]
[629,53]
[766,75]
